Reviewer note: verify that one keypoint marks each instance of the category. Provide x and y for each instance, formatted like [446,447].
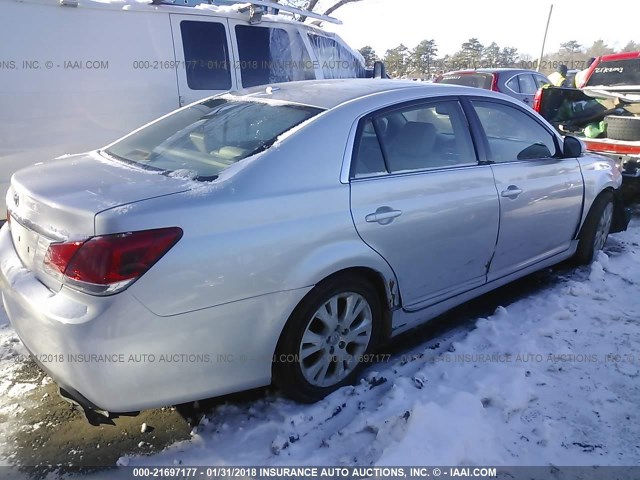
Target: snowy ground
[553,378]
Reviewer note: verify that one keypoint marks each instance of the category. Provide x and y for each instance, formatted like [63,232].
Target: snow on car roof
[329,94]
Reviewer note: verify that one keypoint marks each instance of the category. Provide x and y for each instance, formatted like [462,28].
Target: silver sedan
[281,233]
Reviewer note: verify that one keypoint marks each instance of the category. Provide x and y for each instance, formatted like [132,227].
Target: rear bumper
[116,355]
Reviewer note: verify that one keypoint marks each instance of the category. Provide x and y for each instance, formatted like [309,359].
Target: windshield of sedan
[208,137]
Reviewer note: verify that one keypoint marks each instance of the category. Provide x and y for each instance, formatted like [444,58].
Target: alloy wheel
[335,339]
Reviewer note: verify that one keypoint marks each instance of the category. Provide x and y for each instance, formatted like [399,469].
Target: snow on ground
[12,355]
[550,379]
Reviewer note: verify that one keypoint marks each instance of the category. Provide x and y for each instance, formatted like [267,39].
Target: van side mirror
[572,147]
[379,70]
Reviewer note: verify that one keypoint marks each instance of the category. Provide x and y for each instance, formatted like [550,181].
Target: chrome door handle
[383,216]
[512,192]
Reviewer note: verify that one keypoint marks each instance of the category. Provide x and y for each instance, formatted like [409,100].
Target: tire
[315,336]
[623,128]
[595,230]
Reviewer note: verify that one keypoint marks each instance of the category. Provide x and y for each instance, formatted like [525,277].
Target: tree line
[423,61]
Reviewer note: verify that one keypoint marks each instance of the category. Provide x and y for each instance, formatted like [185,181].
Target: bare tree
[339,4]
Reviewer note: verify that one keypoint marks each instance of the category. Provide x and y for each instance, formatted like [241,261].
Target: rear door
[204,59]
[540,193]
[422,201]
[523,87]
[528,88]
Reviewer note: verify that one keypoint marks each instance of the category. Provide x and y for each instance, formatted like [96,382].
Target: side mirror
[572,147]
[379,70]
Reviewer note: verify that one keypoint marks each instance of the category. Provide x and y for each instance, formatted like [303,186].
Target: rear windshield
[479,80]
[206,138]
[616,73]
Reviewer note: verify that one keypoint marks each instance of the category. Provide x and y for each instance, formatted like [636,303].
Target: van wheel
[595,230]
[328,339]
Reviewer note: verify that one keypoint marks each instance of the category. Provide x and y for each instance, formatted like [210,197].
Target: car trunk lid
[46,205]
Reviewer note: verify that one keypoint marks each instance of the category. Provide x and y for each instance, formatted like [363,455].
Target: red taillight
[537,100]
[59,254]
[109,263]
[494,83]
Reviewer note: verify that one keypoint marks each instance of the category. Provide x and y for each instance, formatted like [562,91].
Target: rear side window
[414,138]
[368,158]
[616,73]
[527,84]
[335,60]
[512,134]
[513,84]
[206,55]
[272,55]
[478,80]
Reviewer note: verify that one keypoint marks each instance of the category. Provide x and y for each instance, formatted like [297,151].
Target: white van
[76,75]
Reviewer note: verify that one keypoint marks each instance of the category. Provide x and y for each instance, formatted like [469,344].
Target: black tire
[623,128]
[591,233]
[289,362]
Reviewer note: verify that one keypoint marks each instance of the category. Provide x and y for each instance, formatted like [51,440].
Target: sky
[384,24]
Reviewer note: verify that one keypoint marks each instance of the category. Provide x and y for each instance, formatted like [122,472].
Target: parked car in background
[284,232]
[81,73]
[517,83]
[604,113]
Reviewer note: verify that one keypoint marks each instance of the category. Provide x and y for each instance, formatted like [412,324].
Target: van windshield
[208,137]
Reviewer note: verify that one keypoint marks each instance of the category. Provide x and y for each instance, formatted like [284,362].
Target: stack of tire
[623,127]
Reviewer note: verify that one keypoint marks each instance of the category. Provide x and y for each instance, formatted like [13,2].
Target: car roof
[328,94]
[619,56]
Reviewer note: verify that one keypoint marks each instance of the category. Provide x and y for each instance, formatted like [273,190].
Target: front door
[540,192]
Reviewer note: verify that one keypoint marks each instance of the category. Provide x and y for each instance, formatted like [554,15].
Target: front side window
[512,134]
[414,138]
[335,60]
[206,55]
[206,138]
[541,81]
[272,55]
